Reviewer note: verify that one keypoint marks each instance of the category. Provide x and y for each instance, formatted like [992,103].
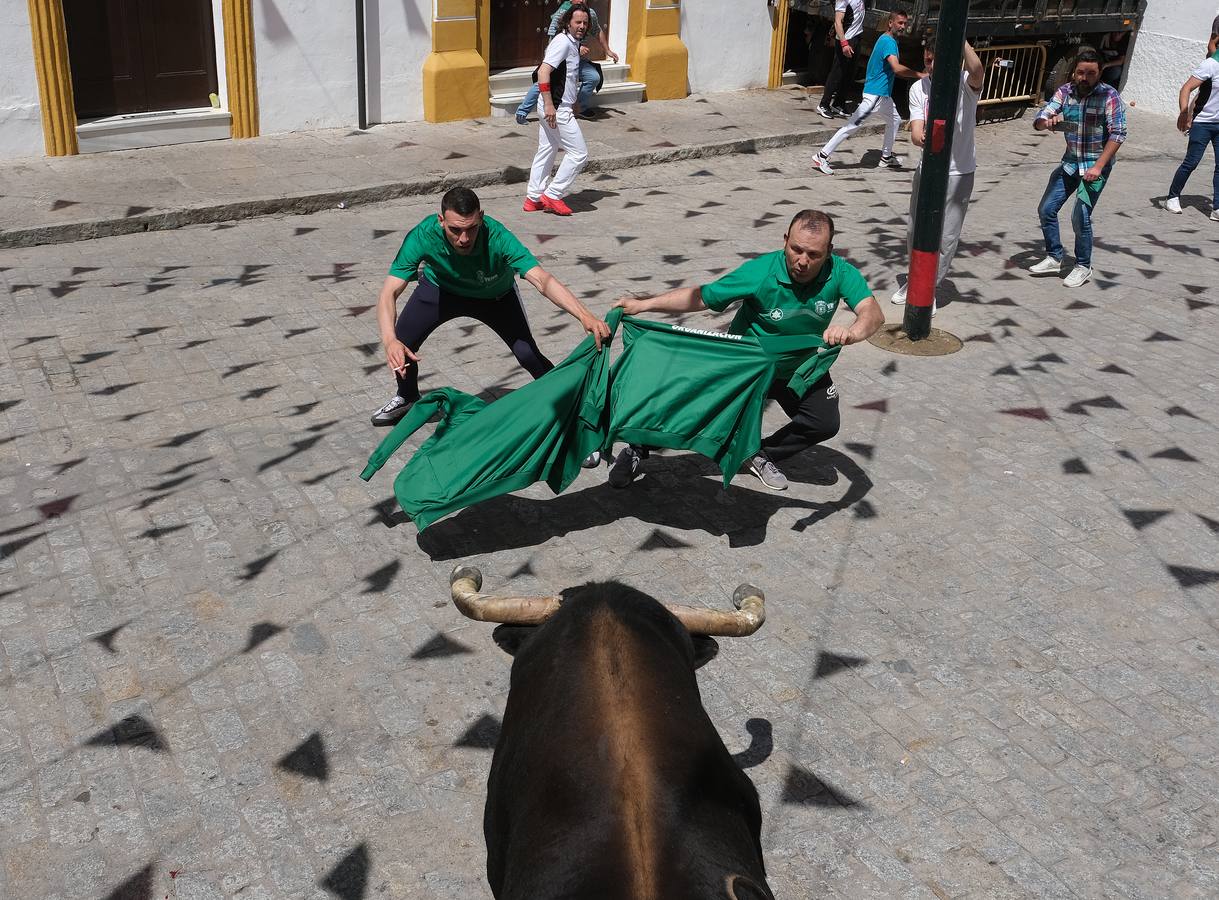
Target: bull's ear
[705,649]
[512,637]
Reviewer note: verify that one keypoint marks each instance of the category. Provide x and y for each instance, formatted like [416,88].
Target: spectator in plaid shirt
[1093,118]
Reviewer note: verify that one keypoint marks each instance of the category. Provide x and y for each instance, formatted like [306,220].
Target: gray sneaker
[591,461]
[391,412]
[768,473]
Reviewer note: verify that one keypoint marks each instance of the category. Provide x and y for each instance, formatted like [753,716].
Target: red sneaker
[558,207]
[533,205]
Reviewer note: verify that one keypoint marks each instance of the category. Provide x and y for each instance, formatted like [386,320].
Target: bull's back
[610,780]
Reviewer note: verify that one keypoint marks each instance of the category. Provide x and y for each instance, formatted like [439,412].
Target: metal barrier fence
[1014,72]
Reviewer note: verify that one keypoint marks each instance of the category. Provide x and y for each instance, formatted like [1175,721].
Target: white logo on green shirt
[823,308]
[775,315]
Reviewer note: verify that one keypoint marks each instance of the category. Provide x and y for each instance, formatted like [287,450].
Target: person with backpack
[590,72]
[558,78]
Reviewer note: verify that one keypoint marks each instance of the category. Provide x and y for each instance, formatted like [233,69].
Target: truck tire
[1059,73]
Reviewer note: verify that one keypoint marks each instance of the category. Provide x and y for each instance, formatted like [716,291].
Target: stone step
[620,92]
[512,81]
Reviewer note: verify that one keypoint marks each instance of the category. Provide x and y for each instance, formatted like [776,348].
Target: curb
[303,204]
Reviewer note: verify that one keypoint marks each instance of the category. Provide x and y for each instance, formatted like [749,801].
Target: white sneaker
[1173,205]
[591,461]
[822,164]
[1080,275]
[1215,215]
[891,161]
[899,296]
[1048,266]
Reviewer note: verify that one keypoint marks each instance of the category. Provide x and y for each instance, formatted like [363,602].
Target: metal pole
[933,179]
[361,78]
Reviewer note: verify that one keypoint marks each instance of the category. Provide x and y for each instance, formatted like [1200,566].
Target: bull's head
[466,582]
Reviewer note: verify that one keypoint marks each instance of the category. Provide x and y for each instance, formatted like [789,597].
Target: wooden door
[130,56]
[518,30]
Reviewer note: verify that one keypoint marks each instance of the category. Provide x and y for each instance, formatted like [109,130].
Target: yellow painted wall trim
[655,51]
[778,45]
[50,38]
[239,68]
[455,74]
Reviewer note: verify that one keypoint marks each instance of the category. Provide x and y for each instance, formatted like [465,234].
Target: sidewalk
[55,200]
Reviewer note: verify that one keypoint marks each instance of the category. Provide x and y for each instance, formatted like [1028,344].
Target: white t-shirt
[855,29]
[964,155]
[564,47]
[1209,69]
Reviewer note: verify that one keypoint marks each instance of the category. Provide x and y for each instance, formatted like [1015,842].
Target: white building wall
[20,111]
[1166,50]
[306,62]
[729,43]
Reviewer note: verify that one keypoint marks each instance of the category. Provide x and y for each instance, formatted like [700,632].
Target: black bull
[609,780]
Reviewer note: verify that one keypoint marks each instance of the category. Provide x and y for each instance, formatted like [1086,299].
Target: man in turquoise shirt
[467,265]
[790,293]
[883,68]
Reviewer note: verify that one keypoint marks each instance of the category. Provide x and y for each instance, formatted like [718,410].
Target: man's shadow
[682,492]
[586,200]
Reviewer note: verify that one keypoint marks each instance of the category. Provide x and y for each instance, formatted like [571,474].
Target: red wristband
[544,85]
[845,43]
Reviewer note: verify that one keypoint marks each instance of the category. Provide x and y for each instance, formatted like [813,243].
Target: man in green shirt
[469,267]
[791,293]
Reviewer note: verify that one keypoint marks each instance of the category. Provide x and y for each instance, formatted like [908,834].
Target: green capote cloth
[672,387]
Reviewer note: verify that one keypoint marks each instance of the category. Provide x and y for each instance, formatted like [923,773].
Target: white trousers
[869,104]
[956,205]
[565,136]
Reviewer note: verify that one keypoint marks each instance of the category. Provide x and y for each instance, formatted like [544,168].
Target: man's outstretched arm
[557,293]
[678,300]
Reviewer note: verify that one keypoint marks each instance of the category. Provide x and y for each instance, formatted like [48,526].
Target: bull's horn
[465,584]
[747,618]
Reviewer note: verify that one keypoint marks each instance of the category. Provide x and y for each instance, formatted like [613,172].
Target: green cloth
[1089,192]
[773,305]
[539,432]
[686,389]
[672,386]
[486,273]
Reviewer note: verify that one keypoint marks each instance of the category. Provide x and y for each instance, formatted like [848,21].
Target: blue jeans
[1200,134]
[588,83]
[1059,189]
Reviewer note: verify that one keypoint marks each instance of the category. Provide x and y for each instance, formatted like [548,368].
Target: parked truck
[1027,44]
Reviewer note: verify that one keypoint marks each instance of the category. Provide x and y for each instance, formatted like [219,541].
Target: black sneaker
[625,467]
[825,113]
[391,412]
[838,111]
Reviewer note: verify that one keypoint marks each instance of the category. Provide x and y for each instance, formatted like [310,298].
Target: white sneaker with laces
[1173,205]
[1080,275]
[1215,215]
[899,296]
[1048,266]
[892,161]
[822,164]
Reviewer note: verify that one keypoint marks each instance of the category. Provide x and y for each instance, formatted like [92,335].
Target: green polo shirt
[774,306]
[485,274]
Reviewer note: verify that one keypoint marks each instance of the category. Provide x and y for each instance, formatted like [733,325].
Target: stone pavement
[230,668]
[52,200]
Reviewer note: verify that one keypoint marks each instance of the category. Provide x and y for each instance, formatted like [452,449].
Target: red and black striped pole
[933,181]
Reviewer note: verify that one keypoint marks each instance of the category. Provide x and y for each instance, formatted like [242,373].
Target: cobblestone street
[229,668]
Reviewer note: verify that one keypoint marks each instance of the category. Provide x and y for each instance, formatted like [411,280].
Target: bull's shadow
[674,492]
